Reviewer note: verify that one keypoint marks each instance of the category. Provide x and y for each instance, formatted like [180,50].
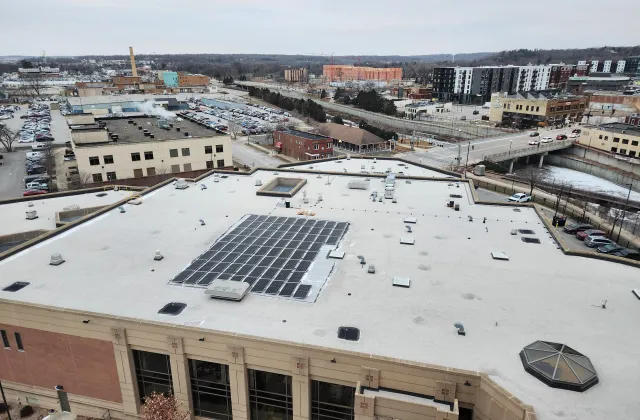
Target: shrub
[26,411]
[3,408]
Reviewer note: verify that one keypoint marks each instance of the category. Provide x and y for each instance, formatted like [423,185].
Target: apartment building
[302,145]
[343,73]
[536,109]
[296,75]
[560,73]
[618,138]
[245,308]
[120,148]
[186,80]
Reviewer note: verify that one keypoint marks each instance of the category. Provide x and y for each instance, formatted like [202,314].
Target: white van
[39,146]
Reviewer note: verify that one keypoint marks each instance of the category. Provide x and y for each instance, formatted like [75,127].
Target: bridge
[541,149]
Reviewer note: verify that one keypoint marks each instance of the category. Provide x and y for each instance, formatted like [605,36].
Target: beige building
[120,148]
[618,138]
[536,109]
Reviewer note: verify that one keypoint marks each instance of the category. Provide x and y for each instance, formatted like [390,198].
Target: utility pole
[624,212]
[5,401]
[467,162]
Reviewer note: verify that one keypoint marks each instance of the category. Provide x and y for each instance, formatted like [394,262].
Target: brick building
[342,73]
[187,80]
[302,145]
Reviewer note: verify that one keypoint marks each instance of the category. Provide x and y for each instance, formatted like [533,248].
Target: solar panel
[250,280]
[296,276]
[302,292]
[283,274]
[274,287]
[260,285]
[288,289]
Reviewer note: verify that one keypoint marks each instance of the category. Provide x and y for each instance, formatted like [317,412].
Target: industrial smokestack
[134,71]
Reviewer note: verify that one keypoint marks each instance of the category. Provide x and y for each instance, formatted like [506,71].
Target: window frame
[219,148]
[135,155]
[5,340]
[148,153]
[110,177]
[200,386]
[109,161]
[220,163]
[94,160]
[262,397]
[97,177]
[148,376]
[188,151]
[173,153]
[19,342]
[208,150]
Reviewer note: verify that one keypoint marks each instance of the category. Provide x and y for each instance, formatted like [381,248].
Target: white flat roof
[538,294]
[370,166]
[14,219]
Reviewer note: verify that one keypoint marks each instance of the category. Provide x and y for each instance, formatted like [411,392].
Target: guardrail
[531,150]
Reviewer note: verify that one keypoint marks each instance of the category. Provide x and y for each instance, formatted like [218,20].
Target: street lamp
[624,212]
[510,144]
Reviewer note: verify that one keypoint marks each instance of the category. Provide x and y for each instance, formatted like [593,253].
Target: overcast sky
[345,27]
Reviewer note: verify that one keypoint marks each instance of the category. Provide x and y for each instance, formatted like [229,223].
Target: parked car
[576,130]
[39,146]
[547,139]
[520,198]
[476,112]
[561,137]
[33,192]
[610,248]
[574,135]
[597,241]
[627,253]
[534,134]
[37,186]
[534,143]
[591,232]
[577,227]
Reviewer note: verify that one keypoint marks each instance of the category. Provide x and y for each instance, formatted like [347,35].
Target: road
[12,172]
[446,156]
[250,156]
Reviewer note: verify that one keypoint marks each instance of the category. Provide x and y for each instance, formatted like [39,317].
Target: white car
[534,142]
[574,135]
[547,139]
[37,186]
[39,146]
[520,198]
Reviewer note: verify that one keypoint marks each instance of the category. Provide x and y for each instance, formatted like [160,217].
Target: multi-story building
[296,75]
[633,119]
[192,80]
[119,148]
[343,73]
[578,85]
[301,295]
[412,92]
[560,73]
[302,145]
[444,82]
[536,109]
[415,110]
[531,78]
[169,78]
[618,138]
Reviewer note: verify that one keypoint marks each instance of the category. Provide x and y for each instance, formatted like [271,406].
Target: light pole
[510,144]
[624,212]
[467,162]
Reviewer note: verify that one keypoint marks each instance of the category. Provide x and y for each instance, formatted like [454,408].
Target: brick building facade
[302,145]
[340,73]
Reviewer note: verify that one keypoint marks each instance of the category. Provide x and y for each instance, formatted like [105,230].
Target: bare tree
[533,176]
[234,129]
[163,407]
[7,137]
[80,180]
[33,84]
[163,172]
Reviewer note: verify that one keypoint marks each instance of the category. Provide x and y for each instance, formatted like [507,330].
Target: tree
[161,407]
[26,64]
[323,94]
[227,80]
[533,176]
[234,129]
[80,180]
[33,84]
[338,94]
[346,99]
[337,120]
[7,137]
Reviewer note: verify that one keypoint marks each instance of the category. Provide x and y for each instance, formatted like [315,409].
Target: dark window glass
[5,339]
[111,176]
[210,389]
[220,163]
[270,396]
[153,373]
[331,401]
[135,157]
[208,150]
[94,160]
[173,152]
[186,151]
[108,159]
[634,143]
[19,341]
[219,148]
[148,155]
[97,177]
[625,141]
[209,164]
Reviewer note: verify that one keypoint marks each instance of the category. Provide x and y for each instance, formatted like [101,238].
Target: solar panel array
[270,253]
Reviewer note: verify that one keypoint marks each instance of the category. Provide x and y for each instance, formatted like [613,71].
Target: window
[316,146]
[186,151]
[148,155]
[209,164]
[220,163]
[108,159]
[329,145]
[175,169]
[151,171]
[616,139]
[173,152]
[625,141]
[208,150]
[135,157]
[614,149]
[632,154]
[94,160]
[552,109]
[606,138]
[634,143]
[331,401]
[97,177]
[210,389]
[5,339]
[623,151]
[270,396]
[137,173]
[111,176]
[537,108]
[527,107]
[153,373]
[19,341]
[187,167]
[219,148]
[600,137]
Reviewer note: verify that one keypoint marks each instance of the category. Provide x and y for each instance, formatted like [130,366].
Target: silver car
[597,241]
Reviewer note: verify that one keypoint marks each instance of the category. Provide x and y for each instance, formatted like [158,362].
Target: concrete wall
[99,135]
[78,119]
[600,172]
[303,363]
[162,162]
[631,166]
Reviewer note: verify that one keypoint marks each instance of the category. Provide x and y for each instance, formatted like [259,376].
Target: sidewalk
[545,199]
[286,159]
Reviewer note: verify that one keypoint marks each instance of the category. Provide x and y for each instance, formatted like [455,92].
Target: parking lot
[58,127]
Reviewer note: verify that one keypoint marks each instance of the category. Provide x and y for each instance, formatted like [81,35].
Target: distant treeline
[307,108]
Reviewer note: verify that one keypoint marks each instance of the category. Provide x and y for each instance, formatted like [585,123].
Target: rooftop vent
[129,121]
[146,134]
[157,256]
[358,185]
[460,328]
[526,232]
[186,134]
[172,308]
[227,289]
[406,240]
[362,260]
[14,287]
[349,333]
[152,136]
[56,259]
[181,184]
[455,195]
[499,255]
[514,231]
[402,282]
[122,210]
[258,183]
[336,254]
[530,240]
[139,127]
[203,187]
[371,269]
[636,292]
[413,220]
[32,214]
[408,228]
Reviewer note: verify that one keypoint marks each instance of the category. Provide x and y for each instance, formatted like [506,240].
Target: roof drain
[349,333]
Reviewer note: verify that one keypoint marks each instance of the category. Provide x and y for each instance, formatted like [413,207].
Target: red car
[561,137]
[33,192]
[590,232]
